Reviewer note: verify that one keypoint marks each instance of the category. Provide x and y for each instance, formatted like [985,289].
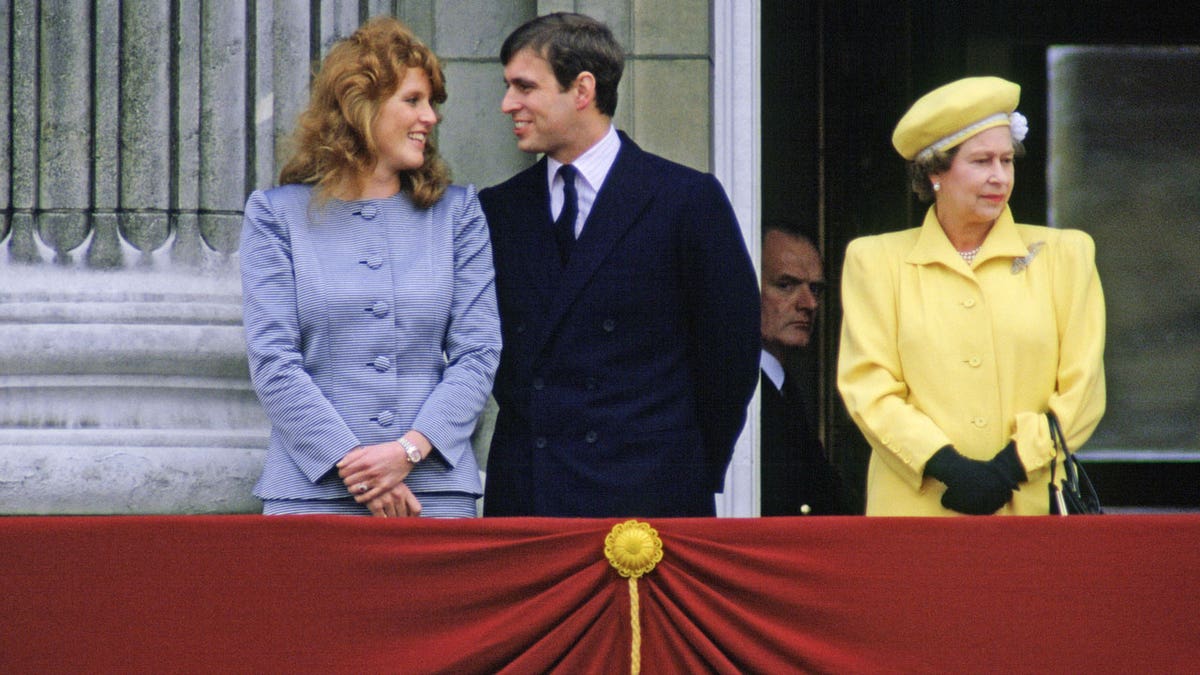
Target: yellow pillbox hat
[952,113]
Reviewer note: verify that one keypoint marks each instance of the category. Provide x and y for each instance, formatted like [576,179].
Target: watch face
[414,455]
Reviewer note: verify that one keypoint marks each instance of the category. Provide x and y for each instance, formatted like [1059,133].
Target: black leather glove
[1009,464]
[973,486]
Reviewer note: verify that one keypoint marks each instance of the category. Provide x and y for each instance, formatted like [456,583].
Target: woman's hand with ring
[379,467]
[399,502]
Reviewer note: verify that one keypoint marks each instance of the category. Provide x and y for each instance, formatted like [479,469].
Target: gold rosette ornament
[633,549]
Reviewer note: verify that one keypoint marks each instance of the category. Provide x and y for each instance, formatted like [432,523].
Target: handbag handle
[1059,441]
[1077,487]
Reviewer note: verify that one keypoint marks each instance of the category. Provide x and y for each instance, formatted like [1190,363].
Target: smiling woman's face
[404,123]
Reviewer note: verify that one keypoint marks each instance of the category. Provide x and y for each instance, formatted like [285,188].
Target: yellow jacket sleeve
[870,376]
[1079,397]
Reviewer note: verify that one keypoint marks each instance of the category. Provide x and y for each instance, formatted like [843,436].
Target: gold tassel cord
[633,549]
[635,642]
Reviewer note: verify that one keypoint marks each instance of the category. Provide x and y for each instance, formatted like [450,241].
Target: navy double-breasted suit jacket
[625,374]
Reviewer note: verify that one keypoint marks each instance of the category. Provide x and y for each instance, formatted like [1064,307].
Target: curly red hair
[334,148]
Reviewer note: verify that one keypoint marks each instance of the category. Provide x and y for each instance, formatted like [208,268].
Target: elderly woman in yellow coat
[961,335]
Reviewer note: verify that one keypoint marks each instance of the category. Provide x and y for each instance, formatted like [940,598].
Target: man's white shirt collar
[593,165]
[772,368]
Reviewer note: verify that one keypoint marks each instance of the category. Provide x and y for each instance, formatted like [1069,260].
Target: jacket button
[372,261]
[539,383]
[591,437]
[590,384]
[540,442]
[379,309]
[969,303]
[609,325]
[385,418]
[979,422]
[520,328]
[368,211]
[382,364]
[974,361]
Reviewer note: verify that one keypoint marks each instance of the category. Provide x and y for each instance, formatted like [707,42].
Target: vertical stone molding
[128,144]
[737,103]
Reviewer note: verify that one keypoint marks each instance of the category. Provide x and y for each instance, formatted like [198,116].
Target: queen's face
[976,187]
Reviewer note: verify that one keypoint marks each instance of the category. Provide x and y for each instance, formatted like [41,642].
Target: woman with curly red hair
[369,296]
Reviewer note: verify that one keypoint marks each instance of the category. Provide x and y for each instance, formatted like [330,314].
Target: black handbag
[1076,495]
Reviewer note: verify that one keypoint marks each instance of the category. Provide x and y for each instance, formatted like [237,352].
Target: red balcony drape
[829,595]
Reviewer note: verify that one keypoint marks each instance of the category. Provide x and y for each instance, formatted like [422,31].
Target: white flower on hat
[1019,126]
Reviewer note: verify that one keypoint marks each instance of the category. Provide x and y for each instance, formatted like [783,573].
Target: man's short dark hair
[790,228]
[571,44]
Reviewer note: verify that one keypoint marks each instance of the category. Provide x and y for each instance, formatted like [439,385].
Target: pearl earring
[937,186]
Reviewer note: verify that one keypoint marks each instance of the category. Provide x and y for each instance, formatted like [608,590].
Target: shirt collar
[593,165]
[772,368]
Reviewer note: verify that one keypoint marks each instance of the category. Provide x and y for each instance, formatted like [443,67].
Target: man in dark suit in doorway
[797,478]
[627,298]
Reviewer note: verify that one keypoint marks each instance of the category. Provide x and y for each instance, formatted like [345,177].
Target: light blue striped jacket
[363,320]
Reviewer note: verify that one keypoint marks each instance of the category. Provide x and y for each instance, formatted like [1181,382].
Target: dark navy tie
[564,226]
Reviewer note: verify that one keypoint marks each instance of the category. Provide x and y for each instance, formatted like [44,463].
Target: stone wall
[130,135]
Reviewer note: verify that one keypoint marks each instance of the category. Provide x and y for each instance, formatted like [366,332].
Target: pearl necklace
[969,256]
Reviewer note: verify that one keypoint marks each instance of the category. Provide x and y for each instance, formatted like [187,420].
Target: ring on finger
[362,488]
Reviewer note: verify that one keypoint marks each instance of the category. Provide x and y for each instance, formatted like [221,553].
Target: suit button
[539,442]
[974,361]
[591,437]
[979,422]
[590,384]
[609,325]
[385,418]
[539,383]
[969,303]
[382,364]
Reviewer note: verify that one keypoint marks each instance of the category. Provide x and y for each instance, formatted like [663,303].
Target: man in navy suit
[629,305]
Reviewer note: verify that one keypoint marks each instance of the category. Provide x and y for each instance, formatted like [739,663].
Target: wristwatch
[414,455]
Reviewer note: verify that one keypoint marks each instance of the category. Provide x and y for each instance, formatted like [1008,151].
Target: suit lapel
[622,198]
[534,233]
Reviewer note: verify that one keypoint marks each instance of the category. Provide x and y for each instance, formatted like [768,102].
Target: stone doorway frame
[736,163]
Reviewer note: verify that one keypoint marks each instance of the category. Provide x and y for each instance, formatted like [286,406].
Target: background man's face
[792,285]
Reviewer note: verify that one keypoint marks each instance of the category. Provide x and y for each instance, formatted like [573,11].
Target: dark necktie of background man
[564,226]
